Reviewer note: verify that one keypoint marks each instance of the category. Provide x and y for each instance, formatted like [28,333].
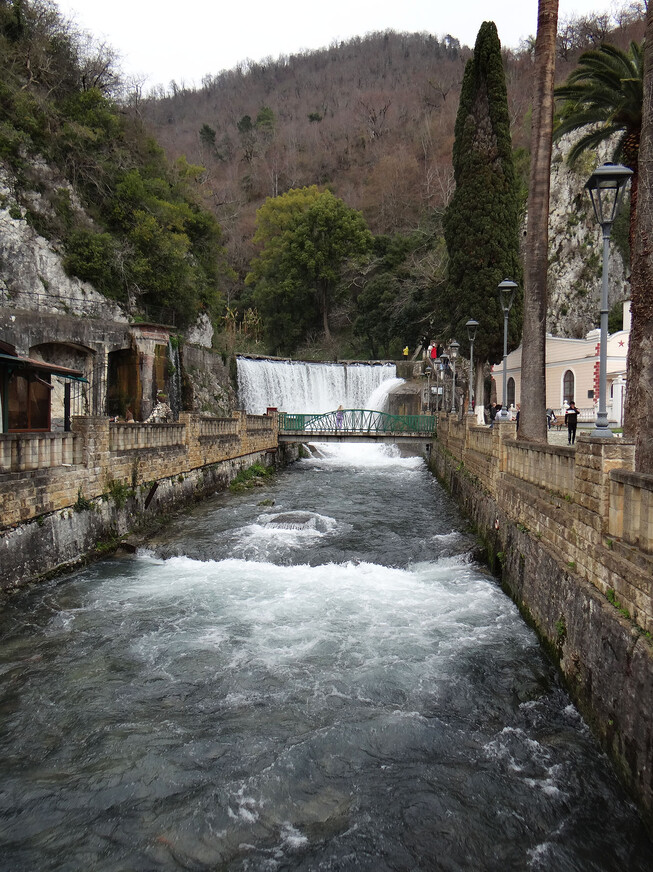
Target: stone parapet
[595,460]
[542,465]
[24,451]
[137,437]
[42,473]
[631,509]
[585,504]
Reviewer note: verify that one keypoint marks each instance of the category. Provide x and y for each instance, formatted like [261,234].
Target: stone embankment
[570,531]
[63,496]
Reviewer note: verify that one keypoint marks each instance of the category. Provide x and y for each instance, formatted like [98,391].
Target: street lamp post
[507,290]
[606,186]
[444,362]
[471,333]
[453,352]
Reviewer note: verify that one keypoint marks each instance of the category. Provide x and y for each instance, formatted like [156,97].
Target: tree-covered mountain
[87,175]
[373,120]
[154,199]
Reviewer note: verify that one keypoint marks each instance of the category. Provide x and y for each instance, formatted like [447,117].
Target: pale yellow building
[572,373]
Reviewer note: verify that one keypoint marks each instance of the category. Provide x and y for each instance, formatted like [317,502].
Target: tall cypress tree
[481,223]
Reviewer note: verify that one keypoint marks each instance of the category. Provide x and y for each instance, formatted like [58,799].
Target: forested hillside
[88,176]
[154,199]
[372,118]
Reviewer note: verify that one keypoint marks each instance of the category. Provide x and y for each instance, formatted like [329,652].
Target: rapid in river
[315,674]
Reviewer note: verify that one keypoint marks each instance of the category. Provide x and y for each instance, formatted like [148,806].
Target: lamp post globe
[606,187]
[472,327]
[507,289]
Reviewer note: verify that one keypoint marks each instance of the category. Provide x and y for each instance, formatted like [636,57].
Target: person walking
[571,420]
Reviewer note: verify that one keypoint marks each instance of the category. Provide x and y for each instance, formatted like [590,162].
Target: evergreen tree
[481,223]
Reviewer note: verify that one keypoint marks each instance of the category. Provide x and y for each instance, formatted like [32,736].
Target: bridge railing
[356,421]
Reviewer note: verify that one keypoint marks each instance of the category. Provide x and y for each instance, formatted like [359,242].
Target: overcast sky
[164,40]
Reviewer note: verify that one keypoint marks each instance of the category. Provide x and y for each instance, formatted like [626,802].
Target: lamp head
[606,186]
[507,290]
[471,329]
[453,349]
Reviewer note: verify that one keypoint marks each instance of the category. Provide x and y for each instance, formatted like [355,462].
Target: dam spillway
[296,386]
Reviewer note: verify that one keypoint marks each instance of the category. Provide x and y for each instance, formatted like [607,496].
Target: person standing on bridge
[339,416]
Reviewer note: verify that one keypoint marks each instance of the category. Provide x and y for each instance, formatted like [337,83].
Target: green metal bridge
[355,425]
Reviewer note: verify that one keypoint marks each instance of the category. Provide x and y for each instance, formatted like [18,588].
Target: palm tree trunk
[532,419]
[639,389]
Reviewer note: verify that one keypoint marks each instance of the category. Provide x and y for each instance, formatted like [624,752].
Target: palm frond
[604,93]
[590,141]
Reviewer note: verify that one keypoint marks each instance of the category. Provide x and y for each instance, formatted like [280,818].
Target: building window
[568,386]
[29,403]
[511,392]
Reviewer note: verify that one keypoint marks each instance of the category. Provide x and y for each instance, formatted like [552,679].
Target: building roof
[15,361]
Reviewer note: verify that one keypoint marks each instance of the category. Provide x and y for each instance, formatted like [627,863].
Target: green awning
[15,361]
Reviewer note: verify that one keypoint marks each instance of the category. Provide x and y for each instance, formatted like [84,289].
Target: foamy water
[311,675]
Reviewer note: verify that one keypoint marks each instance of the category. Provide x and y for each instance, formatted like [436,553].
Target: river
[311,675]
[330,682]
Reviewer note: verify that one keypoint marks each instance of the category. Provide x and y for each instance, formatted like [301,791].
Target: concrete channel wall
[64,495]
[570,533]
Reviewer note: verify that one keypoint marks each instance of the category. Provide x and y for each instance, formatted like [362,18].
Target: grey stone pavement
[559,437]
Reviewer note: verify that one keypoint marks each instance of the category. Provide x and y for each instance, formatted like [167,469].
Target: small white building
[572,373]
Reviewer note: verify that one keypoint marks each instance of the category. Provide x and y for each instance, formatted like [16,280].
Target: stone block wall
[571,535]
[103,455]
[586,504]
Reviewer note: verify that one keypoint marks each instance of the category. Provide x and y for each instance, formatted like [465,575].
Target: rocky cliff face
[31,273]
[576,249]
[42,308]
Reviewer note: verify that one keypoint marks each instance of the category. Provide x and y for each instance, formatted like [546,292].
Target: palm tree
[605,94]
[532,421]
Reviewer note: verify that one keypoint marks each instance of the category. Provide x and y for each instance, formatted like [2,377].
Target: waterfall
[174,379]
[294,386]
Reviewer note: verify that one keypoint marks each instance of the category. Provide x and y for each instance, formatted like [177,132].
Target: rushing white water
[315,675]
[295,386]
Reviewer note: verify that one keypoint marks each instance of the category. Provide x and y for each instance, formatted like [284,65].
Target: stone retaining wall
[41,473]
[571,534]
[108,464]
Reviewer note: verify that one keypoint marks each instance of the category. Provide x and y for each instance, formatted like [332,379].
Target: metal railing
[356,421]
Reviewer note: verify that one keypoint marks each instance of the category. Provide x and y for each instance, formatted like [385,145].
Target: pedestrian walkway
[559,437]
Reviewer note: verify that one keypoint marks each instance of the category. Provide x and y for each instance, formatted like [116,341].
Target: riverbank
[63,508]
[544,515]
